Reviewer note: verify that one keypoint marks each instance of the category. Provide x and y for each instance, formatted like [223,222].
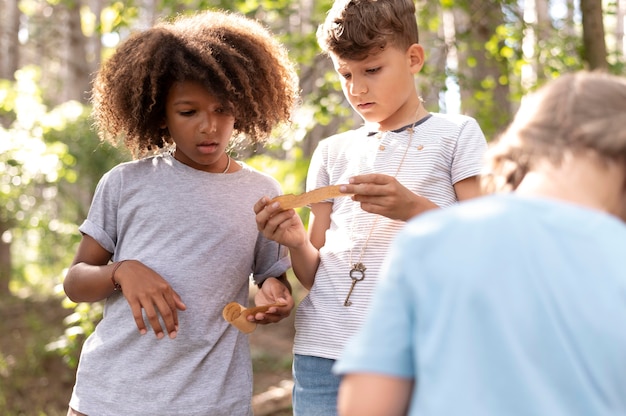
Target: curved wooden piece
[235,314]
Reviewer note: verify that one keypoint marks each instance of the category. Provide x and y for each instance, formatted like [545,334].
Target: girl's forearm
[88,283]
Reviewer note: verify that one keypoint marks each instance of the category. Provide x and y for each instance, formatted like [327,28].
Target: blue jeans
[315,386]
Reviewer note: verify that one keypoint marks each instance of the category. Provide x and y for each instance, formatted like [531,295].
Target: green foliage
[29,171]
[54,160]
[44,192]
[327,103]
[291,174]
[79,325]
[51,159]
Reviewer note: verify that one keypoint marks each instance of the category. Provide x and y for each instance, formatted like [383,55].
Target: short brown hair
[354,29]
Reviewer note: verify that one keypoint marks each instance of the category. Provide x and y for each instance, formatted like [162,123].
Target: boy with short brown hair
[402,162]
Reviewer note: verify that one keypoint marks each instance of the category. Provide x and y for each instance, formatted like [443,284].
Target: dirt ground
[36,382]
[271,348]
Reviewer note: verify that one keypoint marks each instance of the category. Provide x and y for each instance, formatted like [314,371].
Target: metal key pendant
[357,273]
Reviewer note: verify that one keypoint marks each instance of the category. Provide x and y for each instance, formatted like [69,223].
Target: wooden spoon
[236,314]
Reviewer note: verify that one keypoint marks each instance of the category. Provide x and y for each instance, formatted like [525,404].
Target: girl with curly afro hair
[170,238]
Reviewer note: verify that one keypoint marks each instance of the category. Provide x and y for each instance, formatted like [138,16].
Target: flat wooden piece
[289,201]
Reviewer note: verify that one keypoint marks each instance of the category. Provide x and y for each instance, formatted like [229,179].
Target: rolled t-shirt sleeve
[271,260]
[97,233]
[385,343]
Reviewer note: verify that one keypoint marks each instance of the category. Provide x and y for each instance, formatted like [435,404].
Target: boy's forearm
[422,205]
[305,260]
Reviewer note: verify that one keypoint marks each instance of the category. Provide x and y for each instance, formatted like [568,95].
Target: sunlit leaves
[88,21]
[38,149]
[78,325]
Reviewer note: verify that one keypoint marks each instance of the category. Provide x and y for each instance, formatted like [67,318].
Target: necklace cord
[227,164]
[358,264]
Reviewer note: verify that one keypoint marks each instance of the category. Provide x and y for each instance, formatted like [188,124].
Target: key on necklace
[357,273]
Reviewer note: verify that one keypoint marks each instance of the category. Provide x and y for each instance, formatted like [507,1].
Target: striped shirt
[444,149]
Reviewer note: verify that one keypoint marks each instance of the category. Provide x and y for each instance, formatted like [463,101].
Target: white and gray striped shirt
[444,149]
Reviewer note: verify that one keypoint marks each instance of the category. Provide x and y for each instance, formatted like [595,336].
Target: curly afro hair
[234,57]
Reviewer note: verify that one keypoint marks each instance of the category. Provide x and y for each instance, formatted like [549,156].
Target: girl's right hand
[145,290]
[284,227]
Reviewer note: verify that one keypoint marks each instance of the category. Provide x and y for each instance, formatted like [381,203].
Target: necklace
[357,272]
[173,153]
[227,164]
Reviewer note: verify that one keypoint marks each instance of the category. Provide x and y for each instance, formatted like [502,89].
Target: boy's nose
[357,88]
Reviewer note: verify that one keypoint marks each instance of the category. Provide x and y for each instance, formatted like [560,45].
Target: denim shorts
[315,386]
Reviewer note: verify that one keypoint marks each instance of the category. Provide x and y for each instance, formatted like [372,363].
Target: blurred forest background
[482,57]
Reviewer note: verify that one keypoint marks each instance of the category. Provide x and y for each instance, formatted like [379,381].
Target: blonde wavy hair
[582,112]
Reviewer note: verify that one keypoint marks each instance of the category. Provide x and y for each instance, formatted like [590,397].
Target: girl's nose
[209,123]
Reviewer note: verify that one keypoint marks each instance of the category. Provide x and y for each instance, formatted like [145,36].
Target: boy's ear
[415,54]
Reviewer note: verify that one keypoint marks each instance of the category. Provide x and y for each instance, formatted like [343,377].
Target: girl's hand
[384,195]
[272,290]
[284,227]
[146,290]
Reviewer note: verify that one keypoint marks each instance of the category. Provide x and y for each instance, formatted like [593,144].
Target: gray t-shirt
[198,231]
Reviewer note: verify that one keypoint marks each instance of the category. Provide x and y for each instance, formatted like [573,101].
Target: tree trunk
[544,31]
[594,44]
[94,58]
[147,13]
[620,46]
[5,261]
[77,82]
[530,71]
[9,43]
[475,26]
[571,17]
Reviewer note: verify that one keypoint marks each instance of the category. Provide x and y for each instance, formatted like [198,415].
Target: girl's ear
[415,55]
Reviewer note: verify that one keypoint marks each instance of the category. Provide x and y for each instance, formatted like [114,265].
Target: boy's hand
[384,195]
[284,227]
[272,291]
[146,290]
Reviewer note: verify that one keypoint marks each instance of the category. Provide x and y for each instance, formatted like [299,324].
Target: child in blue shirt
[511,304]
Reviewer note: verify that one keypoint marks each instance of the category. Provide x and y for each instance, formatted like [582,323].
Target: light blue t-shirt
[504,305]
